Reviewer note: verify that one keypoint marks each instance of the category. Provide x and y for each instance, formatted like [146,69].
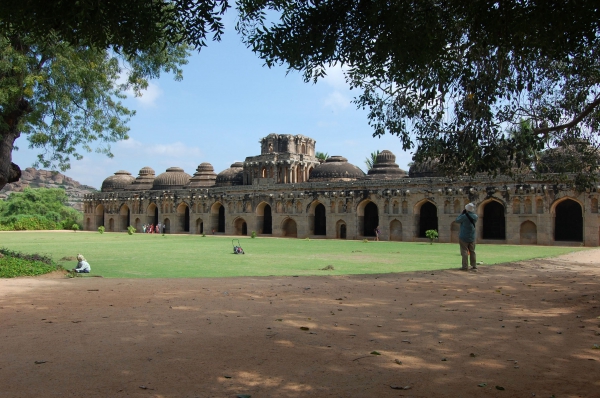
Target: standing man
[466,238]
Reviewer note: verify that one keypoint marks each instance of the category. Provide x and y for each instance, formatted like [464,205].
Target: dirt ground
[513,330]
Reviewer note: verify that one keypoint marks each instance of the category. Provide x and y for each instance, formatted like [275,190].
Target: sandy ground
[514,330]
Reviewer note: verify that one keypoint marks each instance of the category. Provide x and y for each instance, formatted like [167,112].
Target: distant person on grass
[83,267]
[377,233]
[466,238]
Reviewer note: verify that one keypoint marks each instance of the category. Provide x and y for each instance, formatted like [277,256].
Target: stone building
[286,192]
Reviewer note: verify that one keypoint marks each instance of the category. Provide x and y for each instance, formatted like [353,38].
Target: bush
[75,227]
[14,264]
[253,234]
[101,229]
[432,234]
[130,230]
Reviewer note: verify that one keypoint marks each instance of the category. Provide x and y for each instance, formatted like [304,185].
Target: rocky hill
[34,178]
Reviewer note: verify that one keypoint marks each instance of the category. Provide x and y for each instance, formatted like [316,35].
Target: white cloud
[150,95]
[335,78]
[336,101]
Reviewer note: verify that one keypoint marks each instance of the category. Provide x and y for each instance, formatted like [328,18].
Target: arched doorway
[99,216]
[494,225]
[568,222]
[125,217]
[320,226]
[268,220]
[199,226]
[152,214]
[264,218]
[166,227]
[186,220]
[221,223]
[111,225]
[371,220]
[428,218]
[240,227]
[341,230]
[289,229]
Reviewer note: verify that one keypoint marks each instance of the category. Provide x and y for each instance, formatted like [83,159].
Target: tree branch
[573,122]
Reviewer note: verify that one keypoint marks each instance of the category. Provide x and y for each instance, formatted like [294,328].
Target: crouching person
[83,267]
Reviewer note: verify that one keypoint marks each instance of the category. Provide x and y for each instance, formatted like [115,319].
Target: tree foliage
[64,98]
[41,208]
[65,66]
[125,26]
[322,156]
[449,77]
[371,160]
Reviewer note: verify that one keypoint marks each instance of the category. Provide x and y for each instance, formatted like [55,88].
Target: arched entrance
[125,217]
[568,222]
[320,226]
[99,216]
[341,230]
[240,227]
[371,219]
[152,214]
[264,219]
[428,218]
[494,224]
[199,226]
[166,227]
[183,212]
[289,229]
[221,223]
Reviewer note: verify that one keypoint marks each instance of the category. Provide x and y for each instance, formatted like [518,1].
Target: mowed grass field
[118,255]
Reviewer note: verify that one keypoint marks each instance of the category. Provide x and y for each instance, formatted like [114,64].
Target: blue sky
[225,104]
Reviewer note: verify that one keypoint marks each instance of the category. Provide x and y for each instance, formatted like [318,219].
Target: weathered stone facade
[286,192]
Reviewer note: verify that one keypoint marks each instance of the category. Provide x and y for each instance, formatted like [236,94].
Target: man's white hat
[470,207]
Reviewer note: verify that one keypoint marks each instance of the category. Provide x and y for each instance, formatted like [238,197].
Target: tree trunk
[10,172]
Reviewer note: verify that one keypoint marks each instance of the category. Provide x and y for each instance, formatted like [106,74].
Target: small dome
[572,156]
[144,180]
[335,168]
[173,178]
[385,167]
[204,176]
[428,168]
[234,175]
[117,182]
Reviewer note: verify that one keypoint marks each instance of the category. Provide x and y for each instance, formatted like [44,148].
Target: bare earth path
[528,328]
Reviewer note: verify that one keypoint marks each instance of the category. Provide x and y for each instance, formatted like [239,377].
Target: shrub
[130,230]
[101,229]
[75,227]
[253,234]
[432,234]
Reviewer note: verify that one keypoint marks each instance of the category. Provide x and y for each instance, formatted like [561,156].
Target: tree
[61,65]
[126,26]
[371,160]
[322,156]
[65,97]
[449,77]
[40,208]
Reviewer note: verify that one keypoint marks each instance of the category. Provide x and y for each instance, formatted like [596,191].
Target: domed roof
[335,168]
[144,180]
[234,175]
[117,182]
[385,166]
[173,178]
[204,176]
[569,157]
[428,168]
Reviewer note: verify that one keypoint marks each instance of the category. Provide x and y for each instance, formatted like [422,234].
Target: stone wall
[527,212]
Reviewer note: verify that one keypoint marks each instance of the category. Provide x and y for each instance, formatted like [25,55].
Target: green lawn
[118,255]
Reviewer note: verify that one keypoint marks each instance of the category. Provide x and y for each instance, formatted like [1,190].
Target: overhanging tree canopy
[61,61]
[450,77]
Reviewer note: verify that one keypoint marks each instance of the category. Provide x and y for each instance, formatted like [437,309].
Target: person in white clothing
[83,267]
